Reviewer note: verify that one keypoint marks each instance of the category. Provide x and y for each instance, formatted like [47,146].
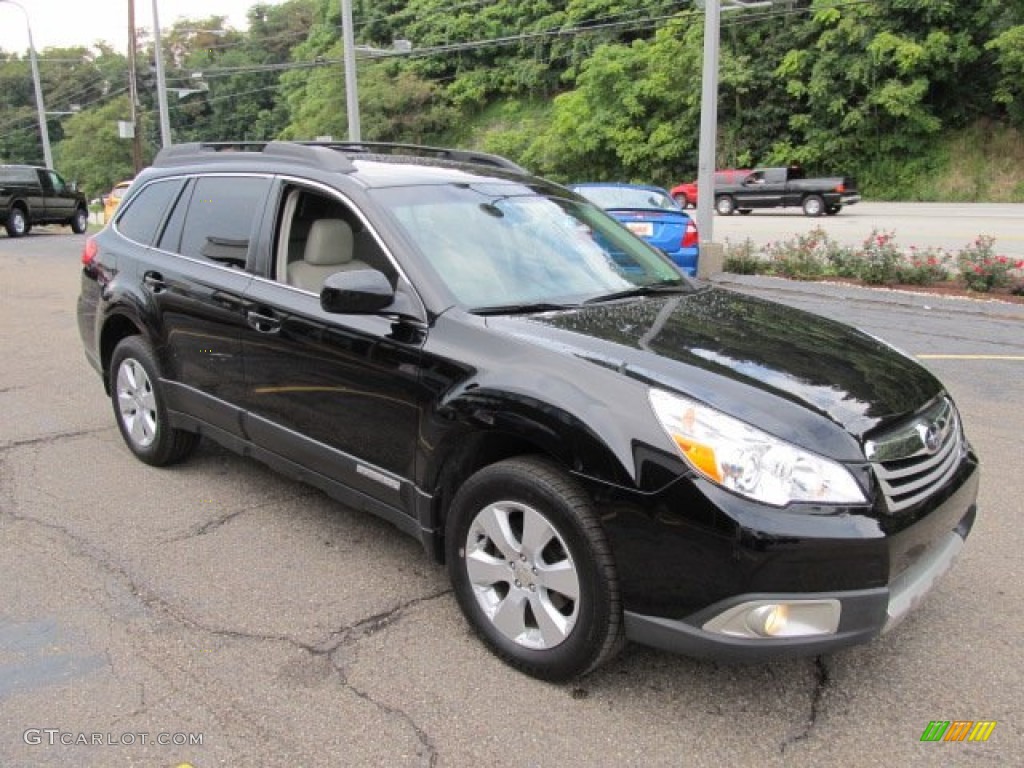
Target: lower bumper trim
[863,615]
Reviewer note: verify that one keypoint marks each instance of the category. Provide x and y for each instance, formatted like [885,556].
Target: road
[950,226]
[218,601]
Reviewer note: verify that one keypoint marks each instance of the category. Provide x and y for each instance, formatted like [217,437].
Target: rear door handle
[262,323]
[154,281]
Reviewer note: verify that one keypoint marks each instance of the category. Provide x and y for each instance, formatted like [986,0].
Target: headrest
[329,243]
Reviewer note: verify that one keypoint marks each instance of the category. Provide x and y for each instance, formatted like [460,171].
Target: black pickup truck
[786,187]
[30,195]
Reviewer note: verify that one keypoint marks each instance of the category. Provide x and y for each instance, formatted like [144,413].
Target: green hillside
[920,99]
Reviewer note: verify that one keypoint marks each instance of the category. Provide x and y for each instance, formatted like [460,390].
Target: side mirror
[356,292]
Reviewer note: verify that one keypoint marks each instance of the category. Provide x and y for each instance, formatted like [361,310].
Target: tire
[682,200]
[813,205]
[745,211]
[532,569]
[80,221]
[139,408]
[725,205]
[17,223]
[832,210]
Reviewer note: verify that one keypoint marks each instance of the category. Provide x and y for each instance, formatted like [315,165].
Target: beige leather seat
[328,250]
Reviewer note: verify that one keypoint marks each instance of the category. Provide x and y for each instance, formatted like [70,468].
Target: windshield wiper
[521,309]
[672,285]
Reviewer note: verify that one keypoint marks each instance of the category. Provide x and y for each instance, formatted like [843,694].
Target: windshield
[614,196]
[501,245]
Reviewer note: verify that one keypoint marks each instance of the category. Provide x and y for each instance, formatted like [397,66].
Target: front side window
[56,182]
[499,244]
[220,217]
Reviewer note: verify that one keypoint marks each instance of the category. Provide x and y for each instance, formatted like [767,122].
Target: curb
[887,296]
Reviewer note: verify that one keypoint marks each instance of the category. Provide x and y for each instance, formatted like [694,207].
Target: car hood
[742,354]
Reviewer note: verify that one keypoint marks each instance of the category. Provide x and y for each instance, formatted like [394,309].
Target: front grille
[918,457]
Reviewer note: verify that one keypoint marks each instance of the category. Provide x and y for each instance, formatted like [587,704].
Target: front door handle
[262,323]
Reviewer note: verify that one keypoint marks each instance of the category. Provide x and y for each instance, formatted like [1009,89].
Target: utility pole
[349,56]
[161,84]
[708,124]
[709,113]
[133,90]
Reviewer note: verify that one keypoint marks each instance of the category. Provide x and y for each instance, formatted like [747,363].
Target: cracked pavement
[220,599]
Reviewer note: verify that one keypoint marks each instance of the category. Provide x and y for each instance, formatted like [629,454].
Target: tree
[91,152]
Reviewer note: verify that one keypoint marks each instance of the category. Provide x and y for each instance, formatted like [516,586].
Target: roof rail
[227,151]
[329,155]
[418,150]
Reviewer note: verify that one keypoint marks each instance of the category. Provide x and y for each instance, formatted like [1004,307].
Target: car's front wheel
[80,221]
[532,569]
[725,205]
[139,406]
[17,223]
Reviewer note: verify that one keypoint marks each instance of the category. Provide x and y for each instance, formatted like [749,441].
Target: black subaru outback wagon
[598,447]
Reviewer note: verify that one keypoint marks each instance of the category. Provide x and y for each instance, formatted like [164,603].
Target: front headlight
[749,461]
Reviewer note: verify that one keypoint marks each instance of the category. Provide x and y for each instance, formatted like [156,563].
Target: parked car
[113,198]
[786,187]
[686,193]
[598,447]
[650,213]
[31,195]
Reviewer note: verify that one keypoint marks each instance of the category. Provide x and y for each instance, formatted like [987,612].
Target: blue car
[651,213]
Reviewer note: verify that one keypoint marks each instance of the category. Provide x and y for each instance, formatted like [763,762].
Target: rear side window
[141,219]
[18,176]
[221,213]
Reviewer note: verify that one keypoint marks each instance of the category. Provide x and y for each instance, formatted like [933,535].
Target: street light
[40,109]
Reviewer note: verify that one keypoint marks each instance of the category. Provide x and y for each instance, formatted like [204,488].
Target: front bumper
[871,571]
[864,614]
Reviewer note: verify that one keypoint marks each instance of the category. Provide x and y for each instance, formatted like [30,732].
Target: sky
[83,22]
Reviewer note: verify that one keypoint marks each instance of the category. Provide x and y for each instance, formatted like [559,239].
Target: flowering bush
[925,267]
[982,270]
[880,259]
[743,258]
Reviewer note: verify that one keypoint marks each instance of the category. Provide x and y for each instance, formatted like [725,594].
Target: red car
[686,194]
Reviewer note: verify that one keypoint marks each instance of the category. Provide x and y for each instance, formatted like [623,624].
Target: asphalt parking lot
[246,620]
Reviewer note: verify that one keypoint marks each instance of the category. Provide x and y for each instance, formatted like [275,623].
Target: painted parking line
[971,357]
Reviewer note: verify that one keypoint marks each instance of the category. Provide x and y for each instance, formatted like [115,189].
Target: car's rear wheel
[684,201]
[532,569]
[725,205]
[139,406]
[813,205]
[80,221]
[17,223]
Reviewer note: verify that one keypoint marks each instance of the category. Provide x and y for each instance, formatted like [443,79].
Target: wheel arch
[589,451]
[116,327]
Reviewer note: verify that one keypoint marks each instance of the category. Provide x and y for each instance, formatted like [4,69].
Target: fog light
[766,619]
